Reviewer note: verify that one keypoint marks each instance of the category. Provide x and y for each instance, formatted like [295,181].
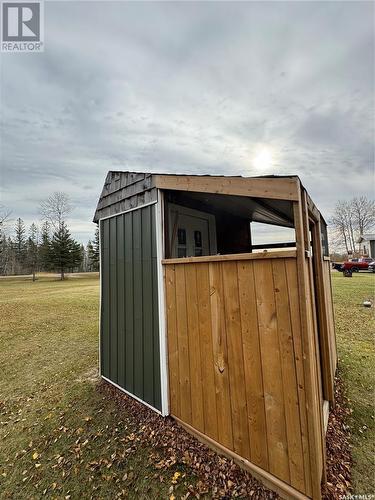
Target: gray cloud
[189,87]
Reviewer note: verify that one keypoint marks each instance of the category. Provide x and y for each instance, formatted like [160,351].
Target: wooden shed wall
[130,351]
[236,369]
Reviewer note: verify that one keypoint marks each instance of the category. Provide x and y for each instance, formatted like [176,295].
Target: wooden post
[309,351]
[324,333]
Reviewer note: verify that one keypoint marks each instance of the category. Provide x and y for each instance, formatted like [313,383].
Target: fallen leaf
[175,477]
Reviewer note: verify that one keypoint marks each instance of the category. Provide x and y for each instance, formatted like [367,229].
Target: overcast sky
[230,88]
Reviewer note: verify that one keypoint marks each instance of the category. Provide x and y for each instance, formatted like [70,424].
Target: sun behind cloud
[263,159]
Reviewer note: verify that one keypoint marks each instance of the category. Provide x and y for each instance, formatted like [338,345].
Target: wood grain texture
[309,352]
[293,295]
[210,410]
[170,290]
[183,346]
[237,256]
[271,368]
[235,360]
[195,362]
[241,442]
[274,188]
[288,370]
[252,365]
[220,354]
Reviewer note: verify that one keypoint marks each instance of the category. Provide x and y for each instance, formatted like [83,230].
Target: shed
[234,340]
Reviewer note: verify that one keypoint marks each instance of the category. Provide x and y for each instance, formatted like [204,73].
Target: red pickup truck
[356,265]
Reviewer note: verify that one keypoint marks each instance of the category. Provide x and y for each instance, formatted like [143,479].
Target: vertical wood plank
[183,345]
[309,352]
[205,339]
[323,315]
[315,348]
[253,366]
[173,368]
[241,442]
[272,376]
[293,295]
[220,356]
[197,416]
[316,371]
[293,427]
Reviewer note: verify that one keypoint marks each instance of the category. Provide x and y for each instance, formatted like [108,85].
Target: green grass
[61,437]
[355,329]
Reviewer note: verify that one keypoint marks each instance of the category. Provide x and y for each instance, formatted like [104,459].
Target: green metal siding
[129,347]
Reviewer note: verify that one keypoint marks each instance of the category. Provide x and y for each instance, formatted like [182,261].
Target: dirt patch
[219,477]
[91,376]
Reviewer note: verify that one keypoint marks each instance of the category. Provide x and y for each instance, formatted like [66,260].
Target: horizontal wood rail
[277,188]
[236,256]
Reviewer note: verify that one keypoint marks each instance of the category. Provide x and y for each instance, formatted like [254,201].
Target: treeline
[34,250]
[48,248]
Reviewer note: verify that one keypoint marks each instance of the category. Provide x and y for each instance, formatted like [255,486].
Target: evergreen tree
[4,253]
[44,247]
[76,256]
[20,245]
[11,262]
[93,252]
[89,252]
[82,265]
[33,250]
[60,250]
[64,251]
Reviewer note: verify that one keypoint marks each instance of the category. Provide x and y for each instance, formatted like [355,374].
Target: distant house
[367,244]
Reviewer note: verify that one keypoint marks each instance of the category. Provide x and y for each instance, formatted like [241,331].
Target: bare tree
[349,221]
[55,209]
[364,214]
[4,216]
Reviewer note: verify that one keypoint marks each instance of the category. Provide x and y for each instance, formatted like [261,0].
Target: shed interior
[232,218]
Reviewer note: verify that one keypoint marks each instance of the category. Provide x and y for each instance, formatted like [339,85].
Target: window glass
[181,236]
[181,252]
[198,238]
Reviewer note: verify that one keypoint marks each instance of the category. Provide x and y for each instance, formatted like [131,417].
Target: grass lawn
[60,437]
[355,330]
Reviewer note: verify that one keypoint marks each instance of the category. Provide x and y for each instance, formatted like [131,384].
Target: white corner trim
[159,231]
[100,299]
[129,210]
